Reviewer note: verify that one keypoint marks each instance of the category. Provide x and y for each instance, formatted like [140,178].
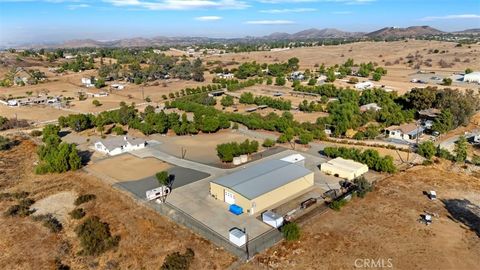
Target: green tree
[291,231]
[468,70]
[427,149]
[163,178]
[377,76]
[305,138]
[461,149]
[447,81]
[268,143]
[280,80]
[227,101]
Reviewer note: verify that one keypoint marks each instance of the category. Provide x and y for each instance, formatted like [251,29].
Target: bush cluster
[77,213]
[95,237]
[369,157]
[291,231]
[85,198]
[49,222]
[227,151]
[178,261]
[22,209]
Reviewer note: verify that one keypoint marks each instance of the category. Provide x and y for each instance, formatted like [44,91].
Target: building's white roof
[293,158]
[346,164]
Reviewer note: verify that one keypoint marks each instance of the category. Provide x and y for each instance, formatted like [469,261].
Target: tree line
[369,157]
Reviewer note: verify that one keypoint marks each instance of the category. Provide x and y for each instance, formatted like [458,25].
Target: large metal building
[259,187]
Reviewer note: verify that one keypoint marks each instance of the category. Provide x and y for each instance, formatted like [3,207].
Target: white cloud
[451,17]
[288,10]
[270,22]
[180,4]
[208,18]
[73,7]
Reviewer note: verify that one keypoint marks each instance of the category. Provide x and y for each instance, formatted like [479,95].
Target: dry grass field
[127,167]
[146,237]
[384,226]
[202,147]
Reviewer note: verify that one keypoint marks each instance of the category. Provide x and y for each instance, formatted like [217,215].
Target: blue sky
[23,21]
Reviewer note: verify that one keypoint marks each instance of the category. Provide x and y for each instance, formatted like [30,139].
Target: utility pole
[246,243]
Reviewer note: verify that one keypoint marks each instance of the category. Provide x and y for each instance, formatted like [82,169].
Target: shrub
[96,103]
[476,160]
[77,213]
[36,133]
[15,195]
[305,138]
[363,186]
[177,261]
[95,236]
[337,205]
[84,198]
[427,162]
[5,143]
[291,231]
[20,210]
[50,222]
[118,130]
[268,143]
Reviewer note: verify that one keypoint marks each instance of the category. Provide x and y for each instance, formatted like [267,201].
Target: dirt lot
[200,148]
[127,167]
[146,237]
[384,226]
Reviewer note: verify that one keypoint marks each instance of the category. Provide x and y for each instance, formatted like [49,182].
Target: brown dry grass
[127,167]
[384,225]
[146,237]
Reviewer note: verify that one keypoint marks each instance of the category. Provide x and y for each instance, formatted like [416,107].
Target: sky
[50,21]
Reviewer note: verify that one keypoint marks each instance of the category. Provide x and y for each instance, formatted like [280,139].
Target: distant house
[406,132]
[473,77]
[364,85]
[297,75]
[69,56]
[321,79]
[118,145]
[225,75]
[370,107]
[40,100]
[117,86]
[88,82]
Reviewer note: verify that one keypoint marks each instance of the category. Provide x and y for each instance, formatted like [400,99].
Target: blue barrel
[237,210]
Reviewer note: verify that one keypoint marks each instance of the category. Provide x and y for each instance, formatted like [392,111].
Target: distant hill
[314,33]
[412,31]
[474,31]
[308,34]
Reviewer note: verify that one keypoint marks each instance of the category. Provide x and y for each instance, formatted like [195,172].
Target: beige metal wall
[267,200]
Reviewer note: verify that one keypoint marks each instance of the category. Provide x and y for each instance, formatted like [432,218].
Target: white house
[473,77]
[225,75]
[364,85]
[87,82]
[297,75]
[117,86]
[370,107]
[118,145]
[406,132]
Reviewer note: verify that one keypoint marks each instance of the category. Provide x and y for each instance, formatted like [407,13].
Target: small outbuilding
[273,219]
[473,77]
[237,237]
[344,168]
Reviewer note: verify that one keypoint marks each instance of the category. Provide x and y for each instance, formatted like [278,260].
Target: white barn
[118,145]
[473,77]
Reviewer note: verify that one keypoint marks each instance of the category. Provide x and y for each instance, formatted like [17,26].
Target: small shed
[344,168]
[237,237]
[273,219]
